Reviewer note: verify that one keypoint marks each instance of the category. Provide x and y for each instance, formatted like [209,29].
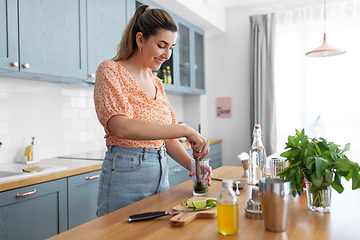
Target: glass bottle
[165,76]
[257,157]
[227,209]
[168,72]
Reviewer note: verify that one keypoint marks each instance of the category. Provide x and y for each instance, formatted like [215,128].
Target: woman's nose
[167,54]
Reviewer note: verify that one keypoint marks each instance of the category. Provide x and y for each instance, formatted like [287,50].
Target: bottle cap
[227,183]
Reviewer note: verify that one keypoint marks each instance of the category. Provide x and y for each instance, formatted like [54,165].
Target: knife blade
[156,214]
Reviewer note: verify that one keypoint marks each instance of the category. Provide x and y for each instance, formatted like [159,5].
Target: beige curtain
[262,79]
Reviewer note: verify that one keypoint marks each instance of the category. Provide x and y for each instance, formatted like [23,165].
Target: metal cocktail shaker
[275,197]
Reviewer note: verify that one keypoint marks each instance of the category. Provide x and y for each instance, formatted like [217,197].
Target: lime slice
[199,204]
[190,203]
[184,201]
[210,200]
[211,204]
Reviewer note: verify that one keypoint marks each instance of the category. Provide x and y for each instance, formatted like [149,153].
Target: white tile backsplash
[61,117]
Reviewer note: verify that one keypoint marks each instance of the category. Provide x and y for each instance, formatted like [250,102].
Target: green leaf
[343,165]
[317,149]
[328,177]
[349,175]
[355,180]
[346,148]
[320,164]
[309,162]
[316,181]
[336,184]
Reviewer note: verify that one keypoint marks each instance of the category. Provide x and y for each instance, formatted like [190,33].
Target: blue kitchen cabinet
[9,58]
[190,58]
[178,174]
[51,40]
[82,197]
[106,21]
[199,66]
[34,212]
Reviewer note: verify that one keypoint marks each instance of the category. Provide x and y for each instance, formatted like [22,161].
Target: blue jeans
[129,175]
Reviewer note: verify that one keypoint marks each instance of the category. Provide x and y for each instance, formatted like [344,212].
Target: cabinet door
[106,21]
[52,38]
[82,195]
[39,214]
[8,36]
[199,76]
[184,36]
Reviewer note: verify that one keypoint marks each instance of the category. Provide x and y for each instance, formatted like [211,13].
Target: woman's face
[158,48]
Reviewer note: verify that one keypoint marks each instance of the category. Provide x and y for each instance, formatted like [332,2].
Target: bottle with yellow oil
[227,209]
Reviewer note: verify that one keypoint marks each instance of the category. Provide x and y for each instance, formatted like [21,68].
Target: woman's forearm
[135,129]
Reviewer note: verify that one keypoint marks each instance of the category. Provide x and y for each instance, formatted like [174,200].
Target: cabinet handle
[91,178]
[26,194]
[26,65]
[177,170]
[15,64]
[193,90]
[92,75]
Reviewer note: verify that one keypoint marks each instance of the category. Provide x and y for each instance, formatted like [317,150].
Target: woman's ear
[139,40]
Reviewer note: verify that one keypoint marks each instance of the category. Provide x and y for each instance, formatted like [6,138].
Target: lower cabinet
[82,198]
[34,212]
[44,210]
[178,174]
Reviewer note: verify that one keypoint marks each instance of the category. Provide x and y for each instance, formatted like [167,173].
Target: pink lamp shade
[325,50]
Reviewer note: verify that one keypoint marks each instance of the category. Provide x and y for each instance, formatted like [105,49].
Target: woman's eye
[160,46]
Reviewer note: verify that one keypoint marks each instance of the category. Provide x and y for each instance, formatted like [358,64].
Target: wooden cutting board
[182,219]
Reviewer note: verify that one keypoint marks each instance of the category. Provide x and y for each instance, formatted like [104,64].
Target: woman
[137,118]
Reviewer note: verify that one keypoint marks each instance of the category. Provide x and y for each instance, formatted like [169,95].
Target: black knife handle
[147,215]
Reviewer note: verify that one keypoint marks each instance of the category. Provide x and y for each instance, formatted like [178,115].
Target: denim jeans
[129,175]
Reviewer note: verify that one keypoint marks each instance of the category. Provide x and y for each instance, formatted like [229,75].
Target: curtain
[319,95]
[262,78]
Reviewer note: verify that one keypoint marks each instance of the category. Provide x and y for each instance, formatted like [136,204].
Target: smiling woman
[139,123]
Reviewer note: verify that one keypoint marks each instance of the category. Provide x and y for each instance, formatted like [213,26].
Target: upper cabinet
[51,38]
[66,40]
[106,20]
[9,58]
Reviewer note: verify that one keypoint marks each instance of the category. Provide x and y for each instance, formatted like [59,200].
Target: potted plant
[321,164]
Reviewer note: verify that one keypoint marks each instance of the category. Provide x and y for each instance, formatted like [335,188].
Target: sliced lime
[211,204]
[190,203]
[210,200]
[184,202]
[199,204]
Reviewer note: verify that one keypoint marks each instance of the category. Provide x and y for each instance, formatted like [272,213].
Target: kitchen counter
[73,167]
[341,223]
[75,164]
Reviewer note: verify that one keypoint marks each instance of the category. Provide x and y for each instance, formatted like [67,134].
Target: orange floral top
[117,93]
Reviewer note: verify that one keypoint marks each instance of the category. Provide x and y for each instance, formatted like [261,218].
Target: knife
[152,215]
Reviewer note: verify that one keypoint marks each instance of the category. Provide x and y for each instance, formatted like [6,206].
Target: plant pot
[318,199]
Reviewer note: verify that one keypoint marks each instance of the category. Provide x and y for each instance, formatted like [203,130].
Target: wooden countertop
[74,167]
[341,223]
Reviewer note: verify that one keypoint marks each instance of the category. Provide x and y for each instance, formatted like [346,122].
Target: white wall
[227,75]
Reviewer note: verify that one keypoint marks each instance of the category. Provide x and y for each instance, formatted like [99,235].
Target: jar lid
[227,183]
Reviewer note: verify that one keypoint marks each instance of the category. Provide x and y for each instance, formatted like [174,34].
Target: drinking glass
[200,174]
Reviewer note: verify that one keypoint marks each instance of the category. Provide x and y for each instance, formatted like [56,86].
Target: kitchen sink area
[10,172]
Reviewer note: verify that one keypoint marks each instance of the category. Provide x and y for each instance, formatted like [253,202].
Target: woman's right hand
[199,144]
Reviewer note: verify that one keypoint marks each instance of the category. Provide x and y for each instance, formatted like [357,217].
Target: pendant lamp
[325,50]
